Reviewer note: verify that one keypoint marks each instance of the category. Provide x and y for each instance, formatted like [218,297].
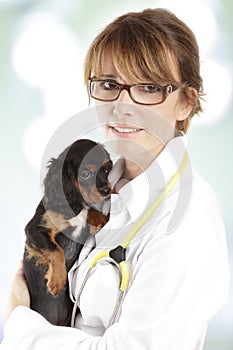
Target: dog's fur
[76,182]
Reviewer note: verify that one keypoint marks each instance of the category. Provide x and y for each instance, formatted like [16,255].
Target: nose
[124,105]
[104,191]
[124,97]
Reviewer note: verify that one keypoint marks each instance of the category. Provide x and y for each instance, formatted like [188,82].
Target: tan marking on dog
[55,222]
[96,220]
[56,274]
[91,195]
[91,167]
[76,183]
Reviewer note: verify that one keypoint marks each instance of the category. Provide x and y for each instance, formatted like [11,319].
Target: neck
[132,170]
[134,167]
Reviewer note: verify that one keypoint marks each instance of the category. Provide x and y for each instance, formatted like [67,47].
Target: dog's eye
[107,169]
[85,174]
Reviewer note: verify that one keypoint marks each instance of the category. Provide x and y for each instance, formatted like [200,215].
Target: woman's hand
[19,294]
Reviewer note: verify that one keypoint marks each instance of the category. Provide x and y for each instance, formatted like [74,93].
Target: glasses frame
[166,90]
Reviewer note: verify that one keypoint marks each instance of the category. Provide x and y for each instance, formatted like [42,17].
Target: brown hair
[141,43]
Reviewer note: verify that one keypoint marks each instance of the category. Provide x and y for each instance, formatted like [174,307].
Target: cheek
[105,115]
[173,108]
[104,111]
[165,111]
[90,194]
[158,124]
[170,109]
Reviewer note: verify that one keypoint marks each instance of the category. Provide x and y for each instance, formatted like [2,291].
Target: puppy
[75,186]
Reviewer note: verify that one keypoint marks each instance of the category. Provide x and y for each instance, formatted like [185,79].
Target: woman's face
[134,129]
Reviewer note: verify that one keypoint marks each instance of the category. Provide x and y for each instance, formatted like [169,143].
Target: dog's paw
[56,286]
[95,229]
[57,278]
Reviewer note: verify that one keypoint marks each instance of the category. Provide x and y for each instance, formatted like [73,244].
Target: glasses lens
[104,90]
[147,94]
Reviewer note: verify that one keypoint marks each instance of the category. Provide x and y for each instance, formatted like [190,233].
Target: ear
[187,103]
[68,179]
[53,182]
[71,192]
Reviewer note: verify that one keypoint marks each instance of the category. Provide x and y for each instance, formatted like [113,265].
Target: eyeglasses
[144,94]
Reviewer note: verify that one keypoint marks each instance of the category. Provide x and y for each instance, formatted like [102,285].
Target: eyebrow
[108,76]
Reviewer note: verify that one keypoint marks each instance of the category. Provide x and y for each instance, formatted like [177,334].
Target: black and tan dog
[76,183]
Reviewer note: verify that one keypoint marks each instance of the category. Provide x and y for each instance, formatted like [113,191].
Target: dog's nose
[104,191]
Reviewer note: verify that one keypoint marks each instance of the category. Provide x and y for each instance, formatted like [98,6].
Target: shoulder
[204,201]
[203,188]
[191,213]
[190,225]
[196,221]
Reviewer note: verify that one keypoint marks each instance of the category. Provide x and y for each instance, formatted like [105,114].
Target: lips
[125,131]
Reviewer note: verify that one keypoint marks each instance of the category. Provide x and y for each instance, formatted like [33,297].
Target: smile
[125,131]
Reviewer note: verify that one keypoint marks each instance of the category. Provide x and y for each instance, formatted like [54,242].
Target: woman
[143,72]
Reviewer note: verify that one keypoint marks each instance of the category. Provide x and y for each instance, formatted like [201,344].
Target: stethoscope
[117,256]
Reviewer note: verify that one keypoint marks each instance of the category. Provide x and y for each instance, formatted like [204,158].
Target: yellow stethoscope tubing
[122,264]
[145,217]
[124,276]
[99,257]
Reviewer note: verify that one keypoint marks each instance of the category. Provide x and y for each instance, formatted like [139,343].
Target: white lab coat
[179,275]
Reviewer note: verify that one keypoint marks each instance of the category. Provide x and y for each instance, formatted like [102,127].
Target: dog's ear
[69,181]
[60,191]
[53,190]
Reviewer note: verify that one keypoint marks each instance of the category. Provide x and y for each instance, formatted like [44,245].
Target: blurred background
[42,46]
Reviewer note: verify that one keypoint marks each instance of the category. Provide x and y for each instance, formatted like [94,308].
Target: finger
[20,268]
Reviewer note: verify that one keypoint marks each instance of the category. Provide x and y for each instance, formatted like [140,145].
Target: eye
[107,168]
[85,174]
[108,85]
[150,88]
